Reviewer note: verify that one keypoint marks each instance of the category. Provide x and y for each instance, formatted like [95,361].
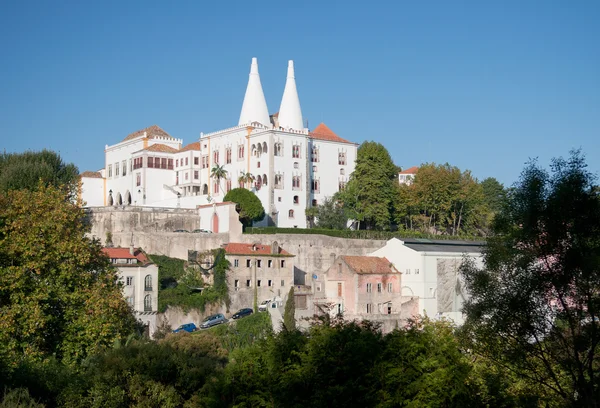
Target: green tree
[248,205]
[494,194]
[535,305]
[331,215]
[370,192]
[289,314]
[59,295]
[218,173]
[25,170]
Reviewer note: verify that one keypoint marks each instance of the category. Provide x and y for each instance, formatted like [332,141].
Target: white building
[430,272]
[408,176]
[140,283]
[292,168]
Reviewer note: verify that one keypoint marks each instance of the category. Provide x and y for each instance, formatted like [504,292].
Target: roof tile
[369,264]
[123,253]
[158,147]
[91,174]
[322,132]
[246,249]
[412,170]
[151,132]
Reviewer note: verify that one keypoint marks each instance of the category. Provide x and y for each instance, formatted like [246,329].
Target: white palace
[292,168]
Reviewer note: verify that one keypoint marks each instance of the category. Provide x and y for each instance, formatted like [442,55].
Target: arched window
[148,283]
[205,189]
[291,214]
[296,200]
[342,172]
[264,179]
[264,149]
[147,303]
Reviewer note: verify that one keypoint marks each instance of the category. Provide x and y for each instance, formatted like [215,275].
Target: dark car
[213,320]
[242,313]
[201,231]
[180,230]
[188,327]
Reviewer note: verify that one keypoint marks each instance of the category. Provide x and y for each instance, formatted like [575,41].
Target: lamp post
[110,199]
[178,198]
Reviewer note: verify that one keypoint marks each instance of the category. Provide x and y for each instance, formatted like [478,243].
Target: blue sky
[481,85]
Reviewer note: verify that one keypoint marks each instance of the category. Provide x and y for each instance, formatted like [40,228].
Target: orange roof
[151,132]
[91,174]
[246,249]
[157,147]
[369,264]
[412,170]
[322,132]
[191,146]
[123,253]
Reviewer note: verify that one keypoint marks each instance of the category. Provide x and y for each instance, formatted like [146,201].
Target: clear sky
[481,85]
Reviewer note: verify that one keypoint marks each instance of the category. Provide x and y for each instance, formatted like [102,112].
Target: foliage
[289,314]
[245,178]
[178,285]
[59,295]
[535,306]
[370,192]
[218,173]
[19,398]
[30,170]
[243,332]
[494,194]
[330,215]
[248,205]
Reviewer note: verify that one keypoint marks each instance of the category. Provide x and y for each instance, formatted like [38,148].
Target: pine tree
[289,315]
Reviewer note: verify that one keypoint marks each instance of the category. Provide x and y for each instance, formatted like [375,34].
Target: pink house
[364,287]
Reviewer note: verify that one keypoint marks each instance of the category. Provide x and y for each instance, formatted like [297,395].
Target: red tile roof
[151,132]
[412,170]
[123,253]
[91,174]
[158,147]
[322,132]
[369,264]
[246,249]
[191,146]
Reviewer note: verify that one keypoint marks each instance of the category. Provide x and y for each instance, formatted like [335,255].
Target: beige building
[267,270]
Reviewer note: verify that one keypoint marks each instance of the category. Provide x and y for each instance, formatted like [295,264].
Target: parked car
[180,230]
[242,313]
[264,305]
[202,231]
[213,320]
[188,327]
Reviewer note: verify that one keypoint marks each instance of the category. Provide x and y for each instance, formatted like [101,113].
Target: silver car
[213,320]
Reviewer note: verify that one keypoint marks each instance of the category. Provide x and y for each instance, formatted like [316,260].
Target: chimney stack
[290,113]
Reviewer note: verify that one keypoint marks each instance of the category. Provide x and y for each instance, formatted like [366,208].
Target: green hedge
[361,234]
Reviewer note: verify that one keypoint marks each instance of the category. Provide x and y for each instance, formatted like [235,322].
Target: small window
[369,287]
[258,165]
[379,288]
[248,263]
[314,203]
[279,199]
[296,200]
[296,165]
[389,308]
[147,303]
[270,263]
[248,283]
[236,263]
[416,271]
[408,271]
[258,283]
[318,286]
[342,172]
[148,283]
[258,263]
[269,283]
[291,214]
[369,308]
[283,266]
[282,282]
[339,268]
[129,280]
[390,287]
[314,169]
[237,284]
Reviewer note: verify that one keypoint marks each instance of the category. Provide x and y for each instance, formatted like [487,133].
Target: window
[389,308]
[177,163]
[379,288]
[129,281]
[147,303]
[196,160]
[110,170]
[341,185]
[369,287]
[282,282]
[269,283]
[138,179]
[228,155]
[124,166]
[296,151]
[258,263]
[237,284]
[408,271]
[196,175]
[258,165]
[216,156]
[339,287]
[258,283]
[279,181]
[291,214]
[278,150]
[270,263]
[150,162]
[342,172]
[314,169]
[186,175]
[186,161]
[314,203]
[296,183]
[341,158]
[131,301]
[228,186]
[339,268]
[163,163]
[170,164]
[314,154]
[369,308]
[116,169]
[204,162]
[215,188]
[340,308]
[296,165]
[137,163]
[283,266]
[318,285]
[296,200]
[390,287]
[315,186]
[236,262]
[240,152]
[416,271]
[148,283]
[248,283]
[279,199]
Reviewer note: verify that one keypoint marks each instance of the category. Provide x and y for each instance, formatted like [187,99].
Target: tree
[218,173]
[331,215]
[289,315]
[370,191]
[59,295]
[248,205]
[494,194]
[25,170]
[246,178]
[535,306]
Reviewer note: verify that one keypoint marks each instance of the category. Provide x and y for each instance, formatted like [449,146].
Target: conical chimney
[290,114]
[254,108]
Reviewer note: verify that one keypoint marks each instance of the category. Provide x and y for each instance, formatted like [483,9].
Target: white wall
[92,191]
